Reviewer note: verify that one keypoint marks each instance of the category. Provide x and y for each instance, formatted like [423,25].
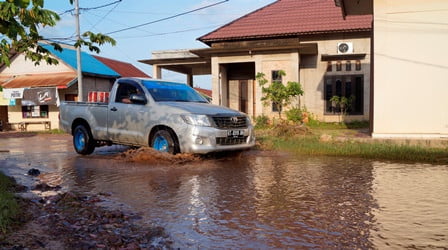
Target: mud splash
[151,156]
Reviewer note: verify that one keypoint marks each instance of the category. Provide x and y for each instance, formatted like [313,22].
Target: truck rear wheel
[83,141]
[163,141]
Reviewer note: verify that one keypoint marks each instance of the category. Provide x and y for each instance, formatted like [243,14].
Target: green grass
[9,207]
[53,131]
[338,125]
[310,144]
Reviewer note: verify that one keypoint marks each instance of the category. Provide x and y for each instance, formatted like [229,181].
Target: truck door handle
[114,109]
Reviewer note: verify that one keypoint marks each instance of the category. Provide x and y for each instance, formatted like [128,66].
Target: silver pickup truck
[170,117]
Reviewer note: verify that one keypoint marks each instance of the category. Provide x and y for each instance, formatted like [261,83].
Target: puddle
[255,199]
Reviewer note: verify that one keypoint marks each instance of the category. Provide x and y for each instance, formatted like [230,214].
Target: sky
[134,44]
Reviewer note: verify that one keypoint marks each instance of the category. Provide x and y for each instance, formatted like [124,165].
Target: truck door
[123,116]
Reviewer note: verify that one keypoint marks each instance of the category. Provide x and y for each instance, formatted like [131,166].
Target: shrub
[9,207]
[295,115]
[261,121]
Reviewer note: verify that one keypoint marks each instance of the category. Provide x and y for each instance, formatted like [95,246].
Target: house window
[329,66]
[275,107]
[338,66]
[349,87]
[348,66]
[35,111]
[358,65]
[276,76]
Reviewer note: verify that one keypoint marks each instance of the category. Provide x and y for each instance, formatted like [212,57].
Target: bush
[261,121]
[295,115]
[9,207]
[285,130]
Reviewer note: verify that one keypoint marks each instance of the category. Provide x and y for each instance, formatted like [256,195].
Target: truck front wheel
[83,141]
[163,141]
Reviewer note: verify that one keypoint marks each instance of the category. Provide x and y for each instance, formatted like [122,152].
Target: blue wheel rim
[80,140]
[161,144]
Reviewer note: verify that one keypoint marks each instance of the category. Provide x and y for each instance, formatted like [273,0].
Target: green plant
[277,92]
[261,121]
[335,102]
[9,208]
[295,115]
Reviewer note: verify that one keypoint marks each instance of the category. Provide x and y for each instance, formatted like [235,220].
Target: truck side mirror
[138,99]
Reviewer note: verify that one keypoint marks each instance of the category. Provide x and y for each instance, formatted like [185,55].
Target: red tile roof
[289,18]
[122,68]
[41,80]
[206,92]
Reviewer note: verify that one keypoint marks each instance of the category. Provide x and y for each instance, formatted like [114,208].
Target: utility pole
[78,53]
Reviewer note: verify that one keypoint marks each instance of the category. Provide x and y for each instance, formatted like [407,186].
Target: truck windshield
[172,92]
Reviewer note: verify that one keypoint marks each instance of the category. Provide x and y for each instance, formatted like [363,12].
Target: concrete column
[295,62]
[224,81]
[295,74]
[190,80]
[216,82]
[258,93]
[156,71]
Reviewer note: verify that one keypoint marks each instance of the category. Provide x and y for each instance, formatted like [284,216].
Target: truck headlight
[197,120]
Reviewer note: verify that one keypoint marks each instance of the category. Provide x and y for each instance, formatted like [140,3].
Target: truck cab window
[125,91]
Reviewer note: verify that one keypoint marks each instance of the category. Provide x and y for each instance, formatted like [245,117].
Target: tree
[277,93]
[19,24]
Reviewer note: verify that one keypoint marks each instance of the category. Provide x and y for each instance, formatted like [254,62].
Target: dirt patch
[74,221]
[16,134]
[154,157]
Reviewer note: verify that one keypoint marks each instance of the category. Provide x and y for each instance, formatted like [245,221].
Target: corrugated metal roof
[288,18]
[4,79]
[41,80]
[122,68]
[89,64]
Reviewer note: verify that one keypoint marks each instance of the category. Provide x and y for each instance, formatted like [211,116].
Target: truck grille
[230,140]
[226,122]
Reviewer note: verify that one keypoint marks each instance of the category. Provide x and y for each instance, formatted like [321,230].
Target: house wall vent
[345,48]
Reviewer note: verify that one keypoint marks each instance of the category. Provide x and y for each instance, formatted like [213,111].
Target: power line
[171,13]
[114,20]
[171,32]
[90,8]
[167,18]
[99,21]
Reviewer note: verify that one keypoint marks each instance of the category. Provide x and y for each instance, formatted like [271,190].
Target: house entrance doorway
[239,87]
[3,117]
[243,95]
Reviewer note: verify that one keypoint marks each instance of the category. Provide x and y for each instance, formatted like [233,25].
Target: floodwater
[255,199]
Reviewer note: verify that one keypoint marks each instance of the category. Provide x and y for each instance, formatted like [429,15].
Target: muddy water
[256,199]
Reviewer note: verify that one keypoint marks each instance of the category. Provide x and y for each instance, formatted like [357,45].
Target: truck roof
[157,83]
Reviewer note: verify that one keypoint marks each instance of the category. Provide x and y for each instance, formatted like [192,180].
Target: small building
[409,70]
[207,93]
[309,40]
[30,93]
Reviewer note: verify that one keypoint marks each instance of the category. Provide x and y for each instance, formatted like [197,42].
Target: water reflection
[413,207]
[262,199]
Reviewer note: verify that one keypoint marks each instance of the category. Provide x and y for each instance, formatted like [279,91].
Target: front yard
[348,140]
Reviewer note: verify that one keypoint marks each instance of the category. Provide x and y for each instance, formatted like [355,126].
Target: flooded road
[256,199]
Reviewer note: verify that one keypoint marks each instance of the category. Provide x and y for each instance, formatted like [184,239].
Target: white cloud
[64,28]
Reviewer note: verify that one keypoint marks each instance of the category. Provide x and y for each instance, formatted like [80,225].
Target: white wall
[20,65]
[411,68]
